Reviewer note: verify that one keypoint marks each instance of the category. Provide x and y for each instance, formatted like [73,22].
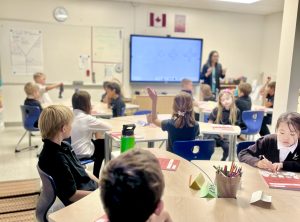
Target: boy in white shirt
[84,127]
[40,80]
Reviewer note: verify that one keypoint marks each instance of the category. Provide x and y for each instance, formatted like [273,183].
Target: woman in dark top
[212,71]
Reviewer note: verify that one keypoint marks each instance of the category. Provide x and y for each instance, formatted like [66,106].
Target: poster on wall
[179,23]
[26,51]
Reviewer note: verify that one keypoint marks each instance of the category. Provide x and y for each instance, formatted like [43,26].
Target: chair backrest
[47,196]
[206,117]
[30,114]
[142,112]
[253,120]
[243,145]
[194,149]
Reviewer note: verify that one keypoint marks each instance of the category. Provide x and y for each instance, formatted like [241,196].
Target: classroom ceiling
[262,7]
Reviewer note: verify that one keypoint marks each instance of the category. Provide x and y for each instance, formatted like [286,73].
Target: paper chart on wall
[107,45]
[26,51]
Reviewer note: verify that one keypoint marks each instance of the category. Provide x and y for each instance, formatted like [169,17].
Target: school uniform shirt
[83,127]
[178,134]
[268,147]
[32,102]
[45,98]
[225,117]
[62,165]
[244,103]
[270,99]
[117,106]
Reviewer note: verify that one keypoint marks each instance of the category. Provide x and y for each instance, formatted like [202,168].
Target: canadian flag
[158,20]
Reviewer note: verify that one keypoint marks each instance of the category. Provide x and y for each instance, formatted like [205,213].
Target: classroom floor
[22,165]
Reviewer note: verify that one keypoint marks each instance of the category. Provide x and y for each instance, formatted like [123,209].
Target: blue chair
[243,145]
[206,117]
[194,149]
[30,116]
[123,111]
[253,121]
[47,196]
[142,112]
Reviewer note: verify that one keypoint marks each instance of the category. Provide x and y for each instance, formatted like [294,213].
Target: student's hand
[149,118]
[268,79]
[265,164]
[152,94]
[277,167]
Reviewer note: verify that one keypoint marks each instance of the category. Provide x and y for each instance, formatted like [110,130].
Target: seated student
[226,114]
[116,101]
[57,158]
[182,125]
[32,95]
[187,86]
[206,93]
[131,187]
[243,102]
[268,103]
[104,98]
[40,80]
[277,151]
[84,127]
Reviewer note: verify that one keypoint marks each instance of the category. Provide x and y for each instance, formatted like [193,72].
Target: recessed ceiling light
[240,1]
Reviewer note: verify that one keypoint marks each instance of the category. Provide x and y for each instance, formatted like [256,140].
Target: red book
[282,180]
[225,128]
[168,164]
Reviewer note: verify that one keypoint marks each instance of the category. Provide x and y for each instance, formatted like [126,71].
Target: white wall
[271,42]
[239,38]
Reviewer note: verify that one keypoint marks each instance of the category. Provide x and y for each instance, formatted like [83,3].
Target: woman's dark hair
[82,100]
[291,119]
[210,56]
[105,83]
[114,86]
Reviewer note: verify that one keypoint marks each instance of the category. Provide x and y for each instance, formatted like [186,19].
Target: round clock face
[60,14]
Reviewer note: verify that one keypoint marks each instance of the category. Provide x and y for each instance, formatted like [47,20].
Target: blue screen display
[164,59]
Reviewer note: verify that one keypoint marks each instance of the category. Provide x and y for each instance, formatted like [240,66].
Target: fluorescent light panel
[240,1]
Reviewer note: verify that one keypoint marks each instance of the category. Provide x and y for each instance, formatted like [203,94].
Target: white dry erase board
[63,52]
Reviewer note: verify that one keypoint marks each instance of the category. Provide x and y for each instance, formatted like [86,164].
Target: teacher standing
[212,71]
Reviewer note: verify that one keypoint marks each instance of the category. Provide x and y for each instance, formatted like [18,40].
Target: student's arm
[92,176]
[97,125]
[53,86]
[262,90]
[153,96]
[268,104]
[78,195]
[213,116]
[252,154]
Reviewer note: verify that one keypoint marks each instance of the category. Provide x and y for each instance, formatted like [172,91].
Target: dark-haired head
[131,186]
[213,57]
[288,128]
[114,87]
[82,100]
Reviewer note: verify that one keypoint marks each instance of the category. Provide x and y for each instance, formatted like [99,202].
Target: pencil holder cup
[227,187]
